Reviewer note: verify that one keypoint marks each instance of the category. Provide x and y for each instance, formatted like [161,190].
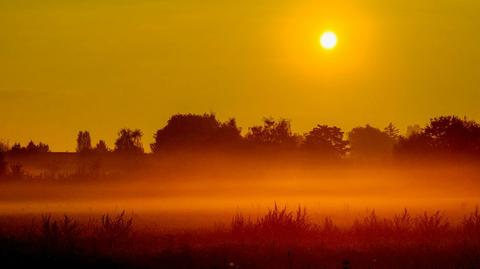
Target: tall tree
[274,134]
[17,148]
[190,131]
[327,141]
[84,142]
[101,147]
[33,148]
[450,133]
[129,141]
[42,148]
[370,143]
[444,135]
[392,131]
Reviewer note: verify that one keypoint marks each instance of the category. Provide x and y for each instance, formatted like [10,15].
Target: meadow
[270,199]
[270,213]
[281,238]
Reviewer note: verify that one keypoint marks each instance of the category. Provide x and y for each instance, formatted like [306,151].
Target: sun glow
[328,40]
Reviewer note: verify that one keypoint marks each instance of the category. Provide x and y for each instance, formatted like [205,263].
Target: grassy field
[220,212]
[278,239]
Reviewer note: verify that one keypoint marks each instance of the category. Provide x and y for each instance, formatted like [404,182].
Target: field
[220,212]
[278,239]
[182,134]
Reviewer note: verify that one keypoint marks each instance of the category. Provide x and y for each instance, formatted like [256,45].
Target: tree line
[442,135]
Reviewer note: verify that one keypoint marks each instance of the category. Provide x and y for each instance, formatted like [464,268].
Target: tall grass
[281,238]
[277,223]
[115,229]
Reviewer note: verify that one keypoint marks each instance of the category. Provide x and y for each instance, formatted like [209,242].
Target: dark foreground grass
[279,239]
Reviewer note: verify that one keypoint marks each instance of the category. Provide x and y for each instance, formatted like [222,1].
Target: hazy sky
[100,65]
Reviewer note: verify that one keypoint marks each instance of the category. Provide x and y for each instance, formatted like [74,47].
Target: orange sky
[100,65]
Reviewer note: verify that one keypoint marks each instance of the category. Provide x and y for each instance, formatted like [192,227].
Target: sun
[328,40]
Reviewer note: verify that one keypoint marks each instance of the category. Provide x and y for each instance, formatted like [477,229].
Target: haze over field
[182,195]
[239,134]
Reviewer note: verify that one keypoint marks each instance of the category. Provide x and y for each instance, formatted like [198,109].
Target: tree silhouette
[129,141]
[326,140]
[42,148]
[190,131]
[452,134]
[84,142]
[33,148]
[17,148]
[369,142]
[273,135]
[392,131]
[101,147]
[417,143]
[446,134]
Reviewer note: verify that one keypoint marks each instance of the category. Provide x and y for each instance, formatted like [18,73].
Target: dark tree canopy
[446,134]
[451,133]
[272,134]
[101,147]
[30,148]
[129,141]
[17,148]
[327,141]
[392,131]
[442,136]
[189,131]
[39,148]
[370,142]
[84,142]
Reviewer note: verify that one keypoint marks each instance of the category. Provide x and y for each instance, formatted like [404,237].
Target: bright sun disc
[328,40]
